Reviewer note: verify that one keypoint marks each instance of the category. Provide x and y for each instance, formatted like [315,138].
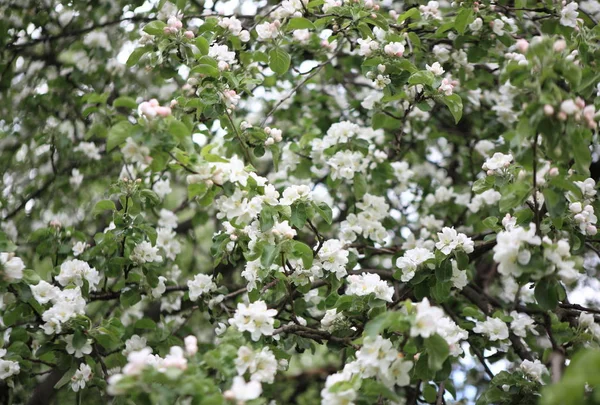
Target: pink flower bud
[163,111]
[554,172]
[560,45]
[522,45]
[174,22]
[548,110]
[562,116]
[189,34]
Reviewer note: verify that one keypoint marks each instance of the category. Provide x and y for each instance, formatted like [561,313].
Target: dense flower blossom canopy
[299,201]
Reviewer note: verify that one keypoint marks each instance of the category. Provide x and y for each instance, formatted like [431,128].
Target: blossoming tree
[305,201]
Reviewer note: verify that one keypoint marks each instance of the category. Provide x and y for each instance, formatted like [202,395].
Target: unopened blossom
[191,345]
[152,108]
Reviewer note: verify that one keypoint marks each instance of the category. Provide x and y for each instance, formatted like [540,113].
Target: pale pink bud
[554,172]
[163,111]
[560,45]
[579,102]
[562,116]
[191,345]
[189,34]
[223,65]
[174,22]
[591,230]
[522,45]
[548,110]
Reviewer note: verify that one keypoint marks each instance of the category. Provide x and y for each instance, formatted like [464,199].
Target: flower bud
[560,45]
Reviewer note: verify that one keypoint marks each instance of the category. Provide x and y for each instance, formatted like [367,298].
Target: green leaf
[298,217]
[136,55]
[197,190]
[514,195]
[202,45]
[150,196]
[155,28]
[130,298]
[360,186]
[444,271]
[118,134]
[126,102]
[145,323]
[269,254]
[546,293]
[325,212]
[300,24]
[267,219]
[413,13]
[581,151]
[429,393]
[454,103]
[207,70]
[104,205]
[555,202]
[303,251]
[462,260]
[66,378]
[462,20]
[279,61]
[437,350]
[179,130]
[421,77]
